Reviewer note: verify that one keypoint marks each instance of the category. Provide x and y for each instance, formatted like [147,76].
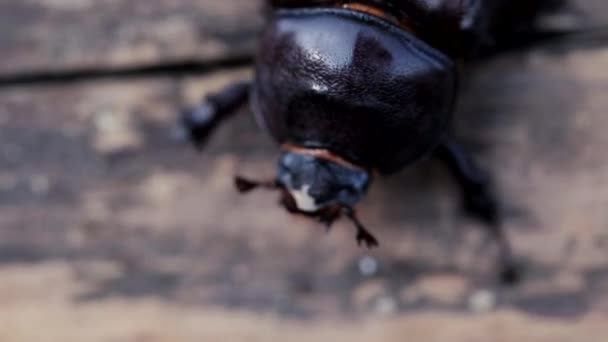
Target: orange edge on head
[380,13]
[321,154]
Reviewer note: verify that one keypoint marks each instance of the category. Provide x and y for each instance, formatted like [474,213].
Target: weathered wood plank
[51,35]
[91,178]
[62,35]
[99,201]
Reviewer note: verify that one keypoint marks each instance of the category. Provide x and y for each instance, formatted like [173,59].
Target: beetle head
[315,183]
[315,187]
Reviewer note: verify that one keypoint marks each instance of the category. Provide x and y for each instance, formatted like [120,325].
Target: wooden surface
[111,230]
[66,35]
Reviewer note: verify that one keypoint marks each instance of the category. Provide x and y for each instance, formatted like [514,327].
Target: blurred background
[112,230]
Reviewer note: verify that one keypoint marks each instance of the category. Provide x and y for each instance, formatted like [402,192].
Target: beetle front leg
[479,201]
[201,121]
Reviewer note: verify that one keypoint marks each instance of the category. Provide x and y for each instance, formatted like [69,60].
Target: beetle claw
[363,236]
[367,238]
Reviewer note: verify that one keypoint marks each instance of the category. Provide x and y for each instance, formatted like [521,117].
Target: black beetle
[348,88]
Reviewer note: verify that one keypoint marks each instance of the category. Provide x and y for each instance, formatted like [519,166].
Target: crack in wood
[184,67]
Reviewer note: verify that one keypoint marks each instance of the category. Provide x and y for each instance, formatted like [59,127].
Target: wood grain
[108,221]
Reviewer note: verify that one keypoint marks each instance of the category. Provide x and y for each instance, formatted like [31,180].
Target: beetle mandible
[349,88]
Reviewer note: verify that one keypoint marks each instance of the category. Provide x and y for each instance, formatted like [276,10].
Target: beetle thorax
[348,82]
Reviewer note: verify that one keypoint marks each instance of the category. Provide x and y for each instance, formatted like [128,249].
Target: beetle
[350,89]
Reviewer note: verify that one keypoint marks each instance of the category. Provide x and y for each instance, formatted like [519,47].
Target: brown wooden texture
[51,35]
[111,230]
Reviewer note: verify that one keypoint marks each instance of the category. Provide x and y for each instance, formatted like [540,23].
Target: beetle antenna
[363,235]
[244,185]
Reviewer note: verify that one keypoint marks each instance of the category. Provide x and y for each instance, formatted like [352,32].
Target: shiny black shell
[459,28]
[375,93]
[353,84]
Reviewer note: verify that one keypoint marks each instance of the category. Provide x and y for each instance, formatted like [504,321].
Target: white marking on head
[303,199]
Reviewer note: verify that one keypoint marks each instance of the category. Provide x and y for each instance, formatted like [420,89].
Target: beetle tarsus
[477,197]
[363,235]
[480,203]
[510,270]
[200,122]
[244,185]
[510,273]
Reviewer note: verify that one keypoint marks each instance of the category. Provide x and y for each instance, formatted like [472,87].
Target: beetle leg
[363,235]
[479,201]
[244,185]
[198,123]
